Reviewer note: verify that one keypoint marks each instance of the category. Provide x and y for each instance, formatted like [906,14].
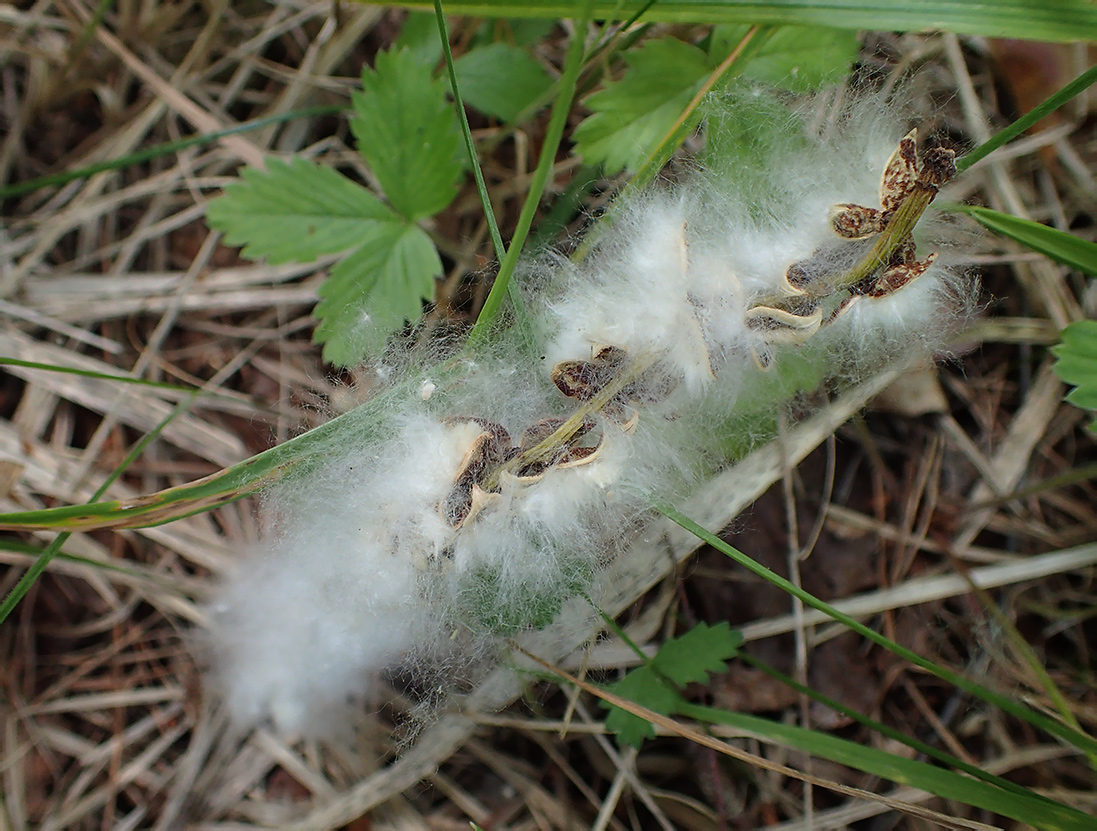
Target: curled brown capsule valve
[904,178]
[781,326]
[482,471]
[585,380]
[567,454]
[467,497]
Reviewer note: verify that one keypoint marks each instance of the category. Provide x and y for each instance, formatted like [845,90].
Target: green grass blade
[1037,719]
[37,551]
[1054,102]
[890,732]
[1051,20]
[160,150]
[1058,245]
[561,108]
[105,376]
[226,485]
[204,494]
[53,549]
[466,132]
[1023,806]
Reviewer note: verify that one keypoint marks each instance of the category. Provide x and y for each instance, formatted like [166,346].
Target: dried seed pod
[938,167]
[696,339]
[622,415]
[577,456]
[485,454]
[581,380]
[797,278]
[900,173]
[496,430]
[894,277]
[781,326]
[537,433]
[903,176]
[855,221]
[842,309]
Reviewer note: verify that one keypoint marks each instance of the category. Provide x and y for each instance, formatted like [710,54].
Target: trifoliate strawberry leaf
[686,659]
[1077,364]
[294,211]
[644,687]
[631,116]
[689,658]
[407,131]
[500,79]
[298,211]
[796,58]
[378,287]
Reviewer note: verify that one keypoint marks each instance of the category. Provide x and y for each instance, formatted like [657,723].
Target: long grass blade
[1007,134]
[226,485]
[1028,807]
[1051,242]
[561,108]
[1051,20]
[1056,728]
[105,376]
[1019,805]
[158,150]
[54,548]
[884,730]
[466,132]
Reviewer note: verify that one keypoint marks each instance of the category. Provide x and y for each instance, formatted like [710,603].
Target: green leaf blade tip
[407,132]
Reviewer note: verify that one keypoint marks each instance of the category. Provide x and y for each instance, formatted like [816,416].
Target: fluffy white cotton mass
[470,506]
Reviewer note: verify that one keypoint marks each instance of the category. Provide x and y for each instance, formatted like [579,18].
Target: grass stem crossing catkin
[494,491]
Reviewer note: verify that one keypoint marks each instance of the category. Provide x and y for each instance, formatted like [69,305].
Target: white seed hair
[362,570]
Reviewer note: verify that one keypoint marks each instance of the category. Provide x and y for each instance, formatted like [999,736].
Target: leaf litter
[104,720]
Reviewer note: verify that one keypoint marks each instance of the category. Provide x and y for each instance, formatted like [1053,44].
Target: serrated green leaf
[1078,338]
[631,116]
[1079,370]
[1083,399]
[644,687]
[796,58]
[704,649]
[1077,363]
[1051,242]
[297,211]
[372,292]
[294,211]
[500,79]
[407,132]
[686,659]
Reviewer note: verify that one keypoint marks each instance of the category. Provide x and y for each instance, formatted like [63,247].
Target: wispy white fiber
[445,522]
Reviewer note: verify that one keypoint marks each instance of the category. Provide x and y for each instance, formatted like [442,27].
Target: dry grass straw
[103,723]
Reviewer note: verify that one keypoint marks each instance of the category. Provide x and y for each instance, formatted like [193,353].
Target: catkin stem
[883,249]
[889,240]
[547,447]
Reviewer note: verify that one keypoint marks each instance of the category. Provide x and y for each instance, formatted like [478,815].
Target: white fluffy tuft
[368,564]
